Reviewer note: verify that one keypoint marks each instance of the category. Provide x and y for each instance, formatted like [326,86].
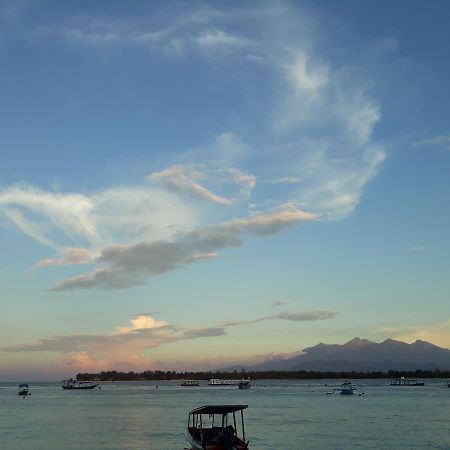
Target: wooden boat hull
[198,446]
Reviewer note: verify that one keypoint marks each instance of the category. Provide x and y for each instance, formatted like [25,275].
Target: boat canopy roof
[218,409]
[23,385]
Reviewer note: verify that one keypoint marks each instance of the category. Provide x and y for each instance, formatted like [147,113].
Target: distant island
[358,358]
[159,375]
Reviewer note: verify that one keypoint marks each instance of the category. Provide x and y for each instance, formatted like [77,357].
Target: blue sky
[224,180]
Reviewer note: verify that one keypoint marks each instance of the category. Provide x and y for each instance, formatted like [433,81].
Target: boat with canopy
[217,427]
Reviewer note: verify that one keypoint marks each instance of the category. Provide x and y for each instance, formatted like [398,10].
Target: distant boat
[215,427]
[347,388]
[224,382]
[447,383]
[189,383]
[406,382]
[24,390]
[244,384]
[78,385]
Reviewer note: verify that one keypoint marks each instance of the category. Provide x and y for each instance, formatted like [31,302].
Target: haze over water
[281,415]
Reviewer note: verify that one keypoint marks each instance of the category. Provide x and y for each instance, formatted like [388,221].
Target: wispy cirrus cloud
[185,180]
[442,142]
[311,144]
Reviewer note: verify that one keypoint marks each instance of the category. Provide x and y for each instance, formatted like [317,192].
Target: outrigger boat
[215,427]
[24,390]
[79,385]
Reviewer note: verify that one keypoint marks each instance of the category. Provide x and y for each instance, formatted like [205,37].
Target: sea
[281,415]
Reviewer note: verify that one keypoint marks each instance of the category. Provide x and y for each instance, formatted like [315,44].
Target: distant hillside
[363,355]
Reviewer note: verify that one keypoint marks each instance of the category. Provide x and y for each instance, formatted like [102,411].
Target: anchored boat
[406,382]
[224,382]
[216,427]
[347,388]
[24,390]
[78,385]
[189,383]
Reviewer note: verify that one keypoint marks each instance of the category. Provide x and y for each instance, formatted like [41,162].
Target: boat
[189,383]
[78,385]
[216,427]
[447,383]
[347,388]
[224,382]
[406,382]
[244,384]
[24,390]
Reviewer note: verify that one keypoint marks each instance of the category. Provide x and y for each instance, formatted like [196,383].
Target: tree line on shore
[160,375]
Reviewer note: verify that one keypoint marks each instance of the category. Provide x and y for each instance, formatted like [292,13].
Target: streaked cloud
[286,180]
[218,38]
[418,248]
[280,302]
[184,180]
[130,265]
[127,346]
[442,141]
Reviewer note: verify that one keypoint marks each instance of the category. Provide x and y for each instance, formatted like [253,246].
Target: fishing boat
[216,427]
[225,382]
[24,390]
[189,383]
[406,382]
[447,383]
[78,385]
[244,384]
[347,388]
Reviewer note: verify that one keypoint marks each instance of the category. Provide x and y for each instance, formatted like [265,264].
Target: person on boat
[226,437]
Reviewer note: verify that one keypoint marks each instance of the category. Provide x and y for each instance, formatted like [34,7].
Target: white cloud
[418,248]
[70,213]
[246,181]
[436,141]
[286,180]
[218,38]
[119,214]
[182,179]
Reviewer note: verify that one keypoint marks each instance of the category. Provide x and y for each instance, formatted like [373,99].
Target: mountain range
[362,355]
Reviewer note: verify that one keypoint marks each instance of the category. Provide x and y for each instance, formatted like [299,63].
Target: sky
[194,185]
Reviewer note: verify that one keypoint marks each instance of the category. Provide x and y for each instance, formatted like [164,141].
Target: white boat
[406,382]
[78,385]
[216,427]
[225,382]
[347,388]
[24,390]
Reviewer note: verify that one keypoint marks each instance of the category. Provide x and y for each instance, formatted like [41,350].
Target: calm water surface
[281,415]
